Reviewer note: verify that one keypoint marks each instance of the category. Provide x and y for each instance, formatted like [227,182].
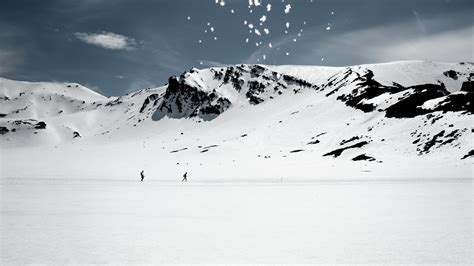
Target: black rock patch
[368,88]
[344,142]
[451,74]
[457,103]
[296,151]
[313,142]
[175,151]
[468,86]
[469,154]
[182,100]
[148,100]
[40,125]
[364,157]
[439,140]
[409,106]
[336,153]
[4,130]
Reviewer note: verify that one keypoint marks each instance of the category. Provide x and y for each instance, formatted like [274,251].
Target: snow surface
[65,221]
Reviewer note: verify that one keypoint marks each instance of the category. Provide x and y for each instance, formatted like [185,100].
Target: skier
[185,177]
[142,174]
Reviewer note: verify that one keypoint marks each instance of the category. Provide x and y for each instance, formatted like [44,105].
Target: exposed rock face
[148,100]
[364,157]
[183,100]
[336,153]
[4,130]
[468,86]
[403,102]
[189,96]
[469,154]
[460,102]
[409,105]
[451,74]
[259,83]
[26,124]
[367,88]
[40,125]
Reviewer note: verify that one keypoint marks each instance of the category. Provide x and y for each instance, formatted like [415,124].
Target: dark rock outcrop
[148,100]
[468,86]
[410,105]
[336,153]
[469,154]
[4,130]
[451,74]
[40,125]
[183,100]
[364,157]
[458,102]
[367,88]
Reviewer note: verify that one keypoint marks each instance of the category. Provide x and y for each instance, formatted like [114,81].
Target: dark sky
[118,46]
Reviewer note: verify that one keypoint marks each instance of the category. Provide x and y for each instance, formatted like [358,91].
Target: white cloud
[394,42]
[399,42]
[107,40]
[451,46]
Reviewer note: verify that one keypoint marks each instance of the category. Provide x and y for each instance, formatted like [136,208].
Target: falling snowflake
[258,22]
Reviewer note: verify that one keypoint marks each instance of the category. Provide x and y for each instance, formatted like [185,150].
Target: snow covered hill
[396,120]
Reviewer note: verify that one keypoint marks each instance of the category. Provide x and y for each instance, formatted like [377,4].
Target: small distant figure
[142,174]
[185,177]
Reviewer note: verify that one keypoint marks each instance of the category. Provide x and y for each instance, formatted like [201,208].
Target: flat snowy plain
[264,221]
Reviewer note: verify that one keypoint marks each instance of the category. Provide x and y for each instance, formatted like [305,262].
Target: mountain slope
[395,120]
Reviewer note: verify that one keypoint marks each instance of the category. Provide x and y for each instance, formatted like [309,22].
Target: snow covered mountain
[394,120]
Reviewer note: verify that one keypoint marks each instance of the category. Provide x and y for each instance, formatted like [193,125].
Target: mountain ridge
[370,114]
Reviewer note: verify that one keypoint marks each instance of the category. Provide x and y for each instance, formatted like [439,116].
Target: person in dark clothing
[185,177]
[142,174]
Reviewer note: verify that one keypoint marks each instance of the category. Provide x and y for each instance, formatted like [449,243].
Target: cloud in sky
[392,42]
[450,46]
[107,40]
[402,41]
